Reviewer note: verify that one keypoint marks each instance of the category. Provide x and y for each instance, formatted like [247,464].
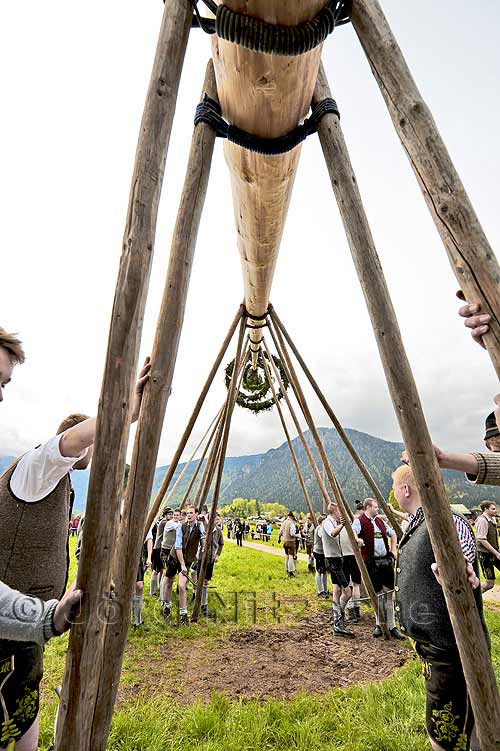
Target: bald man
[423,615]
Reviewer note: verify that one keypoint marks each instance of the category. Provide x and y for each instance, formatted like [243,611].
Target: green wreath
[255,387]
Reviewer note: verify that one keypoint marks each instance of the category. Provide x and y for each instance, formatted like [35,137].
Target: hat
[491,427]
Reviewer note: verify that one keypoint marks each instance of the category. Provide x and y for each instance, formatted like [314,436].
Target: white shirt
[39,471]
[379,550]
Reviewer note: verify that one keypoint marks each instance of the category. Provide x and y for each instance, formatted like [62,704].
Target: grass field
[386,716]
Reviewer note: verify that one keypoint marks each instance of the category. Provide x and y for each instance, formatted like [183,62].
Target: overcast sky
[74,79]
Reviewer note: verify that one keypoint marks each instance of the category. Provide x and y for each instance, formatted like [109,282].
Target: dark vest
[368,536]
[491,536]
[420,603]
[34,553]
[190,542]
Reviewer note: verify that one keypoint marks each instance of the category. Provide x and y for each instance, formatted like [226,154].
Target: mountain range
[271,476]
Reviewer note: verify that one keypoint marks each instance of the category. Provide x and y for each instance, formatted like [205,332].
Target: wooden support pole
[188,463]
[339,496]
[226,423]
[312,461]
[199,465]
[189,427]
[79,729]
[340,430]
[209,471]
[471,255]
[288,438]
[457,591]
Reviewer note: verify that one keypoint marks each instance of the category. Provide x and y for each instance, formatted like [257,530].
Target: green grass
[388,716]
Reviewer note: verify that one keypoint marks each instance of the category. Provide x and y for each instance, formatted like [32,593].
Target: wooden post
[209,471]
[267,95]
[290,445]
[312,461]
[340,430]
[339,496]
[189,427]
[457,591]
[202,459]
[78,727]
[226,423]
[471,255]
[188,463]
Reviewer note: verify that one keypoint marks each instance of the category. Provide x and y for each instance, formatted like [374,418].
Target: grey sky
[73,88]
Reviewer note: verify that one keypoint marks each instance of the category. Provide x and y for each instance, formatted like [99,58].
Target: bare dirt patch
[270,662]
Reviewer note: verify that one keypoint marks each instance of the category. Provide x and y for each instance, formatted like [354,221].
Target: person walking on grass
[214,555]
[188,538]
[423,616]
[487,543]
[353,575]
[309,540]
[319,560]
[156,562]
[341,592]
[238,532]
[289,534]
[379,552]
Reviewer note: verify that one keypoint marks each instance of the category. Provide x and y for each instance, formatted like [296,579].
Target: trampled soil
[270,662]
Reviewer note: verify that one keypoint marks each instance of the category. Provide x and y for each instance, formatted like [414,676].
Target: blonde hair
[404,476]
[13,346]
[70,421]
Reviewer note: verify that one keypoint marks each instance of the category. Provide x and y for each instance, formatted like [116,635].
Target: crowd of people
[36,499]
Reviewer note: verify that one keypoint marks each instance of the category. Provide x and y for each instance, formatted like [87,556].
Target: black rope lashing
[255,317]
[274,39]
[251,326]
[209,111]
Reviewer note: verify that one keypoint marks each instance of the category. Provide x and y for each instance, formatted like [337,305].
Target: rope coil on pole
[274,39]
[209,111]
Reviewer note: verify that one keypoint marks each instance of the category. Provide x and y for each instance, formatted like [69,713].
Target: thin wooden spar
[78,728]
[199,465]
[460,601]
[290,444]
[339,497]
[226,422]
[190,460]
[338,426]
[191,422]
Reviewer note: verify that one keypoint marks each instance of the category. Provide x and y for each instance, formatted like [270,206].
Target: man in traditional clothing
[423,615]
[36,500]
[309,537]
[378,551]
[487,543]
[332,526]
[213,556]
[319,560]
[189,536]
[156,562]
[289,534]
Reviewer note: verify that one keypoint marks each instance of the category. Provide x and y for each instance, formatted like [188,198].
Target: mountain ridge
[270,476]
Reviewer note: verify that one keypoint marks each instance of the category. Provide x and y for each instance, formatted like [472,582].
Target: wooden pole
[78,727]
[340,430]
[312,461]
[226,422]
[339,496]
[189,461]
[457,591]
[471,255]
[209,471]
[288,438]
[202,459]
[189,427]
